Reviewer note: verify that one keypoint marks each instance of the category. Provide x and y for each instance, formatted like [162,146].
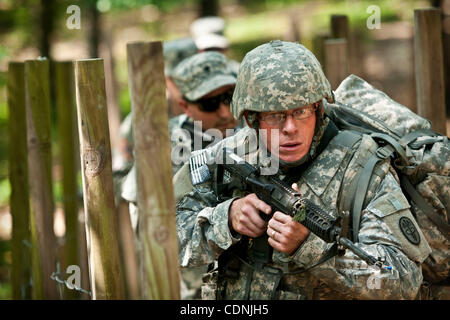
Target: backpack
[420,157]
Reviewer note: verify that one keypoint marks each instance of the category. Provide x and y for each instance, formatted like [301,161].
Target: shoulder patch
[409,230]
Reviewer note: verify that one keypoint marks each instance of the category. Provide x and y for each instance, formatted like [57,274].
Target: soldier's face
[294,136]
[220,119]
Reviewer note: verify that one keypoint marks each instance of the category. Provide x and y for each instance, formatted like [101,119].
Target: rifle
[281,197]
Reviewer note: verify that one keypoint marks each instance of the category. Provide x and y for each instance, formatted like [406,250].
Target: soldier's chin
[289,156]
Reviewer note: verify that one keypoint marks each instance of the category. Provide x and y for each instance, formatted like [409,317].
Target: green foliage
[3,130]
[124,102]
[5,291]
[238,50]
[5,191]
[164,5]
[5,266]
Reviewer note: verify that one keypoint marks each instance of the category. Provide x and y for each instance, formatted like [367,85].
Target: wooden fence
[38,269]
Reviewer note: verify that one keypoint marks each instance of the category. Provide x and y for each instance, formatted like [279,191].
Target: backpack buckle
[383,153]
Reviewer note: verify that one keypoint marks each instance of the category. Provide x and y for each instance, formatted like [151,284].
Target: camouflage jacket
[204,234]
[185,138]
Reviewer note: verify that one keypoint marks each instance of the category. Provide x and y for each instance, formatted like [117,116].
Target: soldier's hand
[244,216]
[286,235]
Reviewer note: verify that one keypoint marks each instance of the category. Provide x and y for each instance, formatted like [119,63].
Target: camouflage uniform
[174,52]
[279,76]
[183,134]
[196,76]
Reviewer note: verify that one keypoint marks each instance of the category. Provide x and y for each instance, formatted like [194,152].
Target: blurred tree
[435,3]
[94,34]
[208,8]
[47,12]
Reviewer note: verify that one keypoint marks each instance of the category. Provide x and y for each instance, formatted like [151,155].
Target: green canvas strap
[396,145]
[409,137]
[382,153]
[428,210]
[363,185]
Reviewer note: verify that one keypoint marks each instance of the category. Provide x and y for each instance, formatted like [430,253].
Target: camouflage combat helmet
[202,73]
[279,76]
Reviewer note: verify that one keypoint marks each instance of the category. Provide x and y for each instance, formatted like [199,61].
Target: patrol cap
[205,25]
[175,51]
[279,76]
[202,73]
[211,40]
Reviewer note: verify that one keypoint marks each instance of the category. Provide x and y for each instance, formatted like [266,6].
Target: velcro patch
[198,167]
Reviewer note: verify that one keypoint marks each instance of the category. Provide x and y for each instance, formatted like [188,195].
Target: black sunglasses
[213,103]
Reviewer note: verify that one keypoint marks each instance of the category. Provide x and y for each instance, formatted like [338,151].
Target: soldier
[174,52]
[209,35]
[206,25]
[206,86]
[281,88]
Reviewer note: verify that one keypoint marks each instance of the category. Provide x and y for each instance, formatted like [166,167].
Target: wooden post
[429,67]
[319,48]
[112,87]
[69,156]
[336,61]
[101,225]
[40,177]
[83,254]
[339,26]
[128,250]
[157,226]
[18,178]
[445,5]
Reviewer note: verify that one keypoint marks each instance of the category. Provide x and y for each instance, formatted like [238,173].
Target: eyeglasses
[213,103]
[278,118]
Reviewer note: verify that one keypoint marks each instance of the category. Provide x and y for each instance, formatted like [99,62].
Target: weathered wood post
[339,26]
[129,252]
[157,226]
[429,67]
[18,178]
[340,29]
[336,61]
[101,224]
[64,84]
[40,178]
[445,5]
[319,47]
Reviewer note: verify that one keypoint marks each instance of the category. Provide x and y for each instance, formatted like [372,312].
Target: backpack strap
[409,137]
[428,210]
[381,154]
[394,143]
